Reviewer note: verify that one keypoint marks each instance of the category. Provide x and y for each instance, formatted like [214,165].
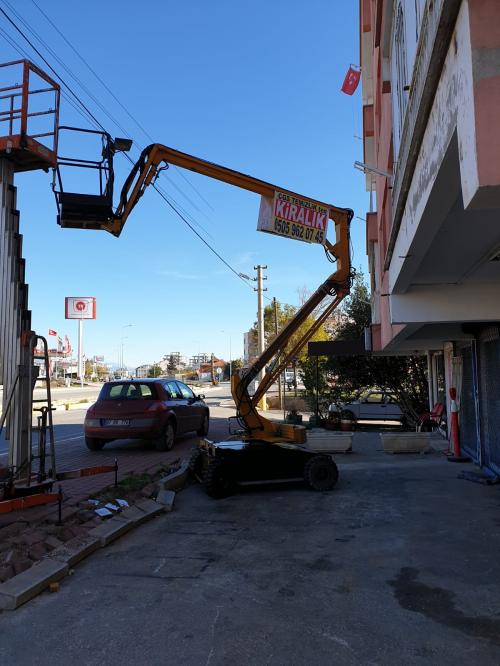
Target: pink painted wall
[484,24]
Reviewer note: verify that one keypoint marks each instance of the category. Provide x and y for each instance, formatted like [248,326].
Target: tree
[171,364]
[235,365]
[89,368]
[285,313]
[101,371]
[343,379]
[154,371]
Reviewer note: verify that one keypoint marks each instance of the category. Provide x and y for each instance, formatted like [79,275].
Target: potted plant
[293,416]
[347,420]
[333,421]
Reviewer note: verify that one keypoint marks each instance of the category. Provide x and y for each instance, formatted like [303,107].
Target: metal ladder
[42,476]
[44,421]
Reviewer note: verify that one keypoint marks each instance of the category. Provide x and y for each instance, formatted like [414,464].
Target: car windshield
[128,391]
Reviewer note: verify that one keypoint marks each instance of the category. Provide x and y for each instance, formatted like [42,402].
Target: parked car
[374,405]
[155,409]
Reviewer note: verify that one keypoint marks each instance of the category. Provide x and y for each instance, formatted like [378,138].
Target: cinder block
[25,586]
[167,499]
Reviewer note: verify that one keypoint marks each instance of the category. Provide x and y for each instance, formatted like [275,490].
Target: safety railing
[20,112]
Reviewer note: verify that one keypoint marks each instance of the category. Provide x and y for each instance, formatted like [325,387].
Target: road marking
[56,441]
[163,561]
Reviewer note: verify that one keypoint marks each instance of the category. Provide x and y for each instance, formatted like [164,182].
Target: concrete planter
[327,441]
[347,425]
[406,442]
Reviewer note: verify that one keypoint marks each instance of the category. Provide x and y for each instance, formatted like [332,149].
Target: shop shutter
[468,432]
[489,362]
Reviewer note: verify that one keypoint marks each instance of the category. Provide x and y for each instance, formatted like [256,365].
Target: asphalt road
[398,565]
[68,425]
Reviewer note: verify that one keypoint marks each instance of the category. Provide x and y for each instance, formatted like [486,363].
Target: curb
[56,565]
[29,583]
[176,480]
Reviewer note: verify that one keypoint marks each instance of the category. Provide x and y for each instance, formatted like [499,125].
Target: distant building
[205,370]
[195,361]
[250,346]
[142,371]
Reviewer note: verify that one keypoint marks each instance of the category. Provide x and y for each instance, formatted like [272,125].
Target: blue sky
[253,86]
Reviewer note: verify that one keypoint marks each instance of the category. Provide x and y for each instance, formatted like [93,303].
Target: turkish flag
[51,332]
[351,80]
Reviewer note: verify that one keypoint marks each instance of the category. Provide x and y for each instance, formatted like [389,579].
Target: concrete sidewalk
[399,564]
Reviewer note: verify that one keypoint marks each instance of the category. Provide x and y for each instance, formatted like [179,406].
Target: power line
[96,101]
[104,84]
[97,122]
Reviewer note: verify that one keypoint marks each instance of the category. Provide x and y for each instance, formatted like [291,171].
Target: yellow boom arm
[335,287]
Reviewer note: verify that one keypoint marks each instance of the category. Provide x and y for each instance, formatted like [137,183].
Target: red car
[155,409]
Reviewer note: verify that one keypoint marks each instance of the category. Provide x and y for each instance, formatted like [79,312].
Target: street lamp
[121,355]
[122,345]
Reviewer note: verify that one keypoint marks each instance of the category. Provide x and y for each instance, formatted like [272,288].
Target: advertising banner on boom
[294,217]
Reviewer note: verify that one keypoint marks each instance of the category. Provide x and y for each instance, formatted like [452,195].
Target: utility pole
[260,322]
[275,306]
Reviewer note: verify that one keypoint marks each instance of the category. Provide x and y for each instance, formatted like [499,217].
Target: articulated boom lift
[96,212]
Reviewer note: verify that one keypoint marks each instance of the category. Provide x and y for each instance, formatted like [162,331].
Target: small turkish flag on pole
[351,80]
[51,332]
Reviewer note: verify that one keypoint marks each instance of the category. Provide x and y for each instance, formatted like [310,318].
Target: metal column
[15,324]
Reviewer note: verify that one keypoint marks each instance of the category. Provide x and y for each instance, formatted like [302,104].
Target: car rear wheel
[321,473]
[94,444]
[203,430]
[165,441]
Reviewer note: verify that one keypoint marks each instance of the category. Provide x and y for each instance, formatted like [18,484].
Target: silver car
[372,406]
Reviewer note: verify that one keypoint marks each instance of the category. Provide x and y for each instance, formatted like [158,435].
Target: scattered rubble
[23,543]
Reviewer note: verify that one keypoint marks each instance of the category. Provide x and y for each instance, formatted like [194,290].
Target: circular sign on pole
[80,307]
[219,371]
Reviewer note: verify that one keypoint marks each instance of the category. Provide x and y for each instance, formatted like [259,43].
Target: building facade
[431,138]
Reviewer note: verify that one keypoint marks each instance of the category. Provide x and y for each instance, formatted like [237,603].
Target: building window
[401,66]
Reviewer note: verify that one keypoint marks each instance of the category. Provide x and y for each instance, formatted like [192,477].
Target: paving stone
[75,550]
[92,523]
[4,546]
[67,532]
[167,499]
[6,572]
[37,551]
[148,490]
[9,556]
[12,530]
[25,586]
[66,513]
[20,563]
[85,515]
[31,537]
[52,542]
